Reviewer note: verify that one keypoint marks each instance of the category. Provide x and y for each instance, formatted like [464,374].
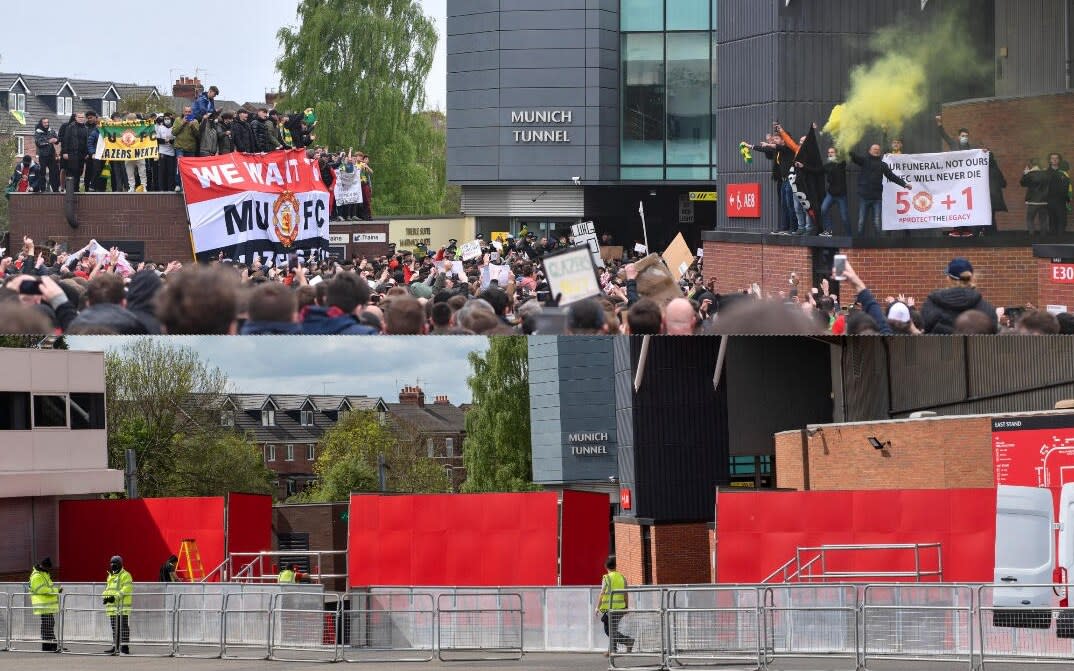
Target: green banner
[126,141]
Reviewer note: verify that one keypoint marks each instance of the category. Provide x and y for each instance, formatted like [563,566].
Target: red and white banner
[948,190]
[1034,451]
[245,205]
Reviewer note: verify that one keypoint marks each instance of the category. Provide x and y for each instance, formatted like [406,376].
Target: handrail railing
[807,558]
[258,569]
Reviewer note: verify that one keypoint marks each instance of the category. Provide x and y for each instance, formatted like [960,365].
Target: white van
[1025,557]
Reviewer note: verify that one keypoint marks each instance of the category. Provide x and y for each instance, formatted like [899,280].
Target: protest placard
[571,275]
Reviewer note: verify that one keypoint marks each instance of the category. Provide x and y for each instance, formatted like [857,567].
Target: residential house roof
[432,418]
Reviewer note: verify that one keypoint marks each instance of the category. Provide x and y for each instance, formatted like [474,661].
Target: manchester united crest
[285,218]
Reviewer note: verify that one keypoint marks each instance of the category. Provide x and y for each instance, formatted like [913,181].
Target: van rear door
[1025,547]
[1066,529]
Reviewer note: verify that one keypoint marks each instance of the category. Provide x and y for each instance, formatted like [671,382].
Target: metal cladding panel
[865,379]
[1035,36]
[815,67]
[1028,401]
[1000,365]
[926,373]
[521,201]
[587,406]
[545,425]
[747,71]
[774,372]
[680,431]
[527,56]
[623,370]
[841,16]
[739,19]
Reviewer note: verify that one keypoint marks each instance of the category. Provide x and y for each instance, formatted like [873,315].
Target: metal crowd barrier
[304,627]
[917,622]
[811,621]
[714,626]
[388,627]
[25,631]
[199,626]
[245,625]
[642,637]
[479,626]
[1023,634]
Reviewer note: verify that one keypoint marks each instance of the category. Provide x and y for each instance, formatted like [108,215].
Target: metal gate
[304,627]
[714,626]
[388,627]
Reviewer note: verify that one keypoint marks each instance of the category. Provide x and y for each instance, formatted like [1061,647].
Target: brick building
[435,430]
[288,427]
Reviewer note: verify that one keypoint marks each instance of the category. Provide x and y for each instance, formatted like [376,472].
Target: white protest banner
[571,275]
[470,250]
[640,249]
[247,205]
[586,234]
[99,254]
[948,190]
[502,275]
[348,187]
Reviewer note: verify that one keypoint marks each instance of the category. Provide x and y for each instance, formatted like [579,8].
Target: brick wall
[1007,276]
[158,219]
[628,552]
[1015,130]
[681,554]
[942,453]
[327,526]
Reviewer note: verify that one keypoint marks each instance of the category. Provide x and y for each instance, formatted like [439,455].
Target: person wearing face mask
[996,181]
[166,144]
[118,588]
[835,183]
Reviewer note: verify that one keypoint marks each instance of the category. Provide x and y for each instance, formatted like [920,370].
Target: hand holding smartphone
[839,267]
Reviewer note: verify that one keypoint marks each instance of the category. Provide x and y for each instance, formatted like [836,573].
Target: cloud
[370,366]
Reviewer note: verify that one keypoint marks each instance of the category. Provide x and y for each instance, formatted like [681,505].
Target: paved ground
[531,662]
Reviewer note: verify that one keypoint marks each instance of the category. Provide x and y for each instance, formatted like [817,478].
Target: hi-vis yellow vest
[613,580]
[287,575]
[43,596]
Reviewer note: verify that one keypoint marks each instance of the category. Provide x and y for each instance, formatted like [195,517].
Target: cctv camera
[576,180]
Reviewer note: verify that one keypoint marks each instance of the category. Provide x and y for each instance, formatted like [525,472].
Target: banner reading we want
[246,205]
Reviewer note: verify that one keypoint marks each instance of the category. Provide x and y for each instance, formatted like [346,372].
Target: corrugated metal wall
[1035,34]
[678,452]
[523,201]
[892,377]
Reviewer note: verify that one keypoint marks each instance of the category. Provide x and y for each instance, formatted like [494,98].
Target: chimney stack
[412,396]
[442,400]
[186,87]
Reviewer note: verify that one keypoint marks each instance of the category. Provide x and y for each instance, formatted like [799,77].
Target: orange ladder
[190,567]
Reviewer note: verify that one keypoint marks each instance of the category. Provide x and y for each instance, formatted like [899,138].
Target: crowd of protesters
[1048,186]
[200,130]
[436,292]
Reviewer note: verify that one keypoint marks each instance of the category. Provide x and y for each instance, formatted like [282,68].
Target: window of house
[383,417]
[268,417]
[64,106]
[311,452]
[87,412]
[227,418]
[306,418]
[290,454]
[50,411]
[108,107]
[449,447]
[20,101]
[14,411]
[270,453]
[430,448]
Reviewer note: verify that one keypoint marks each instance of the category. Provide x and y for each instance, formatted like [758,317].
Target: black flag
[808,181]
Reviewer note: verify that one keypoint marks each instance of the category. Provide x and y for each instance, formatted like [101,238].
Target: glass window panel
[642,14]
[641,174]
[688,14]
[87,411]
[715,15]
[50,411]
[643,100]
[700,173]
[14,411]
[689,109]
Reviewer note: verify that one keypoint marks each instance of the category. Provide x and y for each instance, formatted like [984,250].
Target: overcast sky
[229,44]
[352,365]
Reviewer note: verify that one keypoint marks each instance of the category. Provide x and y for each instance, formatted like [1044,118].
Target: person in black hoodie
[106,308]
[76,148]
[242,135]
[1035,181]
[46,141]
[943,306]
[782,158]
[871,186]
[835,183]
[273,311]
[141,294]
